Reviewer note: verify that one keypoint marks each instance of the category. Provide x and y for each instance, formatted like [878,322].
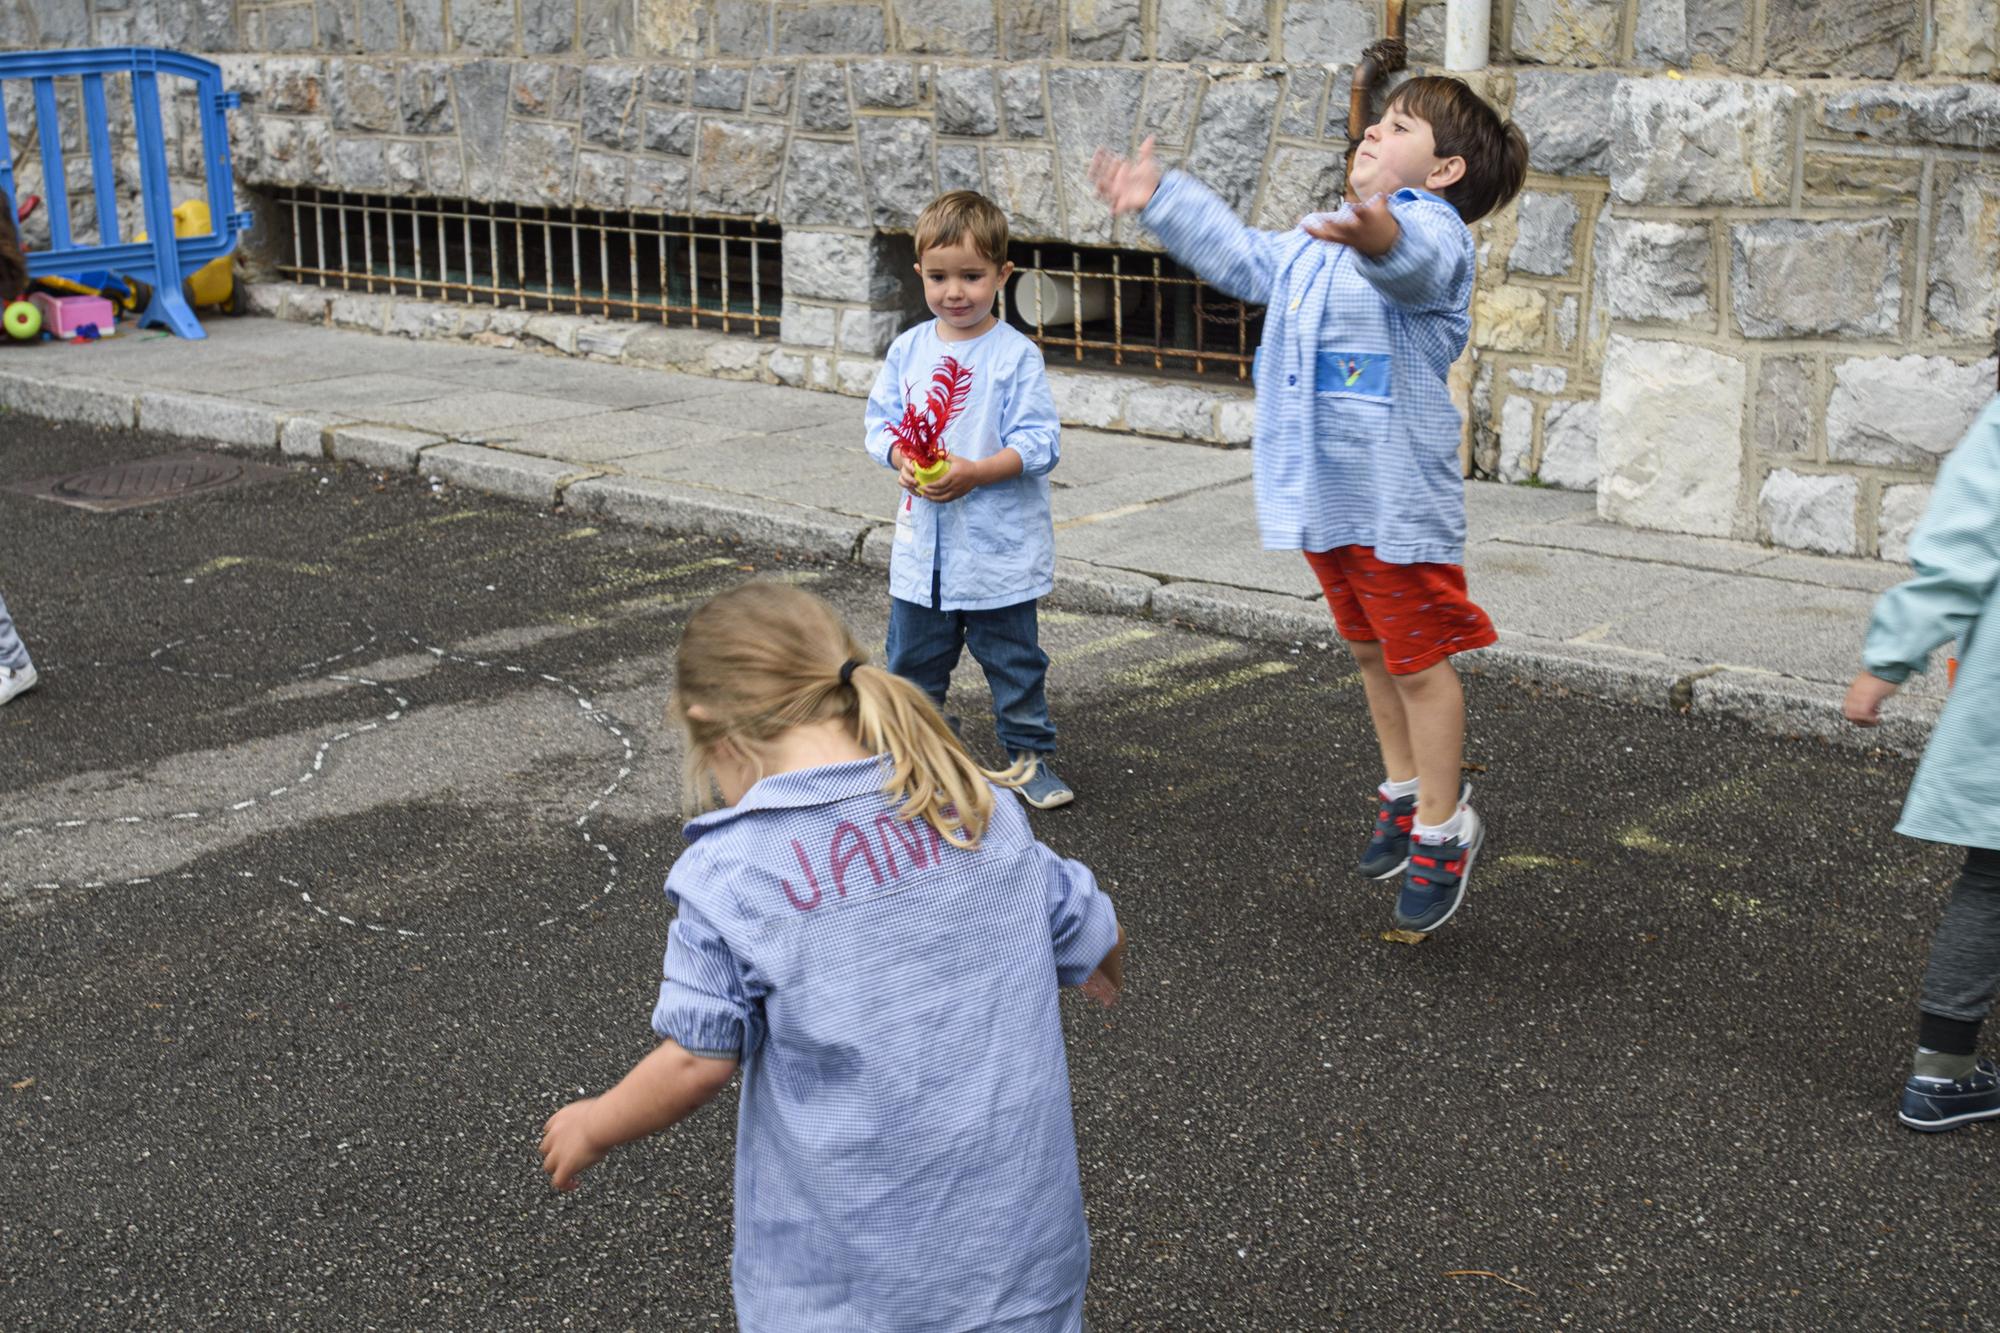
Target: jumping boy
[975,548]
[1356,437]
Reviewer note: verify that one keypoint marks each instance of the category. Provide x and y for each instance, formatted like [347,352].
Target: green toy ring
[23,320]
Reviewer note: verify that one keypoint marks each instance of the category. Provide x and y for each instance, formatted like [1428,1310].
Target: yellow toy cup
[926,475]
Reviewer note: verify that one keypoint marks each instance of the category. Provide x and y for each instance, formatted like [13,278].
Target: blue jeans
[924,646]
[13,653]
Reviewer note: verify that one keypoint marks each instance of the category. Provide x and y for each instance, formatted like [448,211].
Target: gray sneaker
[1043,789]
[15,681]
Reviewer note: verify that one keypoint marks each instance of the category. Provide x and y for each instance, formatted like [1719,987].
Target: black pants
[1964,969]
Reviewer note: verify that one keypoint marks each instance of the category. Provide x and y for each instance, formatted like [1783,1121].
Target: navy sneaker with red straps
[1388,848]
[1434,883]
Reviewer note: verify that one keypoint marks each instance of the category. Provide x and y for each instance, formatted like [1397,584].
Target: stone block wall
[1748,291]
[1790,307]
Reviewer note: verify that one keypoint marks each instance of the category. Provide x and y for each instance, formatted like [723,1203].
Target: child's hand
[1126,185]
[961,478]
[1864,699]
[906,473]
[1100,988]
[1373,229]
[569,1148]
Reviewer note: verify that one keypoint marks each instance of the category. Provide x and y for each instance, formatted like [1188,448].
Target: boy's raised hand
[1126,185]
[1371,228]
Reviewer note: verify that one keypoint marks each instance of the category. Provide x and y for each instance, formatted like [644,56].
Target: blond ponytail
[764,658]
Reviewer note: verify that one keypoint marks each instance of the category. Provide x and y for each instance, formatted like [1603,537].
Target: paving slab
[358,395]
[584,382]
[767,407]
[479,413]
[1562,595]
[602,437]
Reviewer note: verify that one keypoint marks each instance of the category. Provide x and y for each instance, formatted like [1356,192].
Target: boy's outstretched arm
[662,1089]
[1413,253]
[1192,221]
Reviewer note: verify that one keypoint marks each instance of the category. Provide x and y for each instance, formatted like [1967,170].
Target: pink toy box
[64,315]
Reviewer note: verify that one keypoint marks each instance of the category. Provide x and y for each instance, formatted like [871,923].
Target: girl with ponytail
[867,928]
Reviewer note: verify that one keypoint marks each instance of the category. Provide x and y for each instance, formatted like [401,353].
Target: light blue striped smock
[905,1155]
[996,545]
[1356,437]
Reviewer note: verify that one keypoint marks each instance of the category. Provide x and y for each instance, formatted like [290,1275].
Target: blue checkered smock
[905,1156]
[1356,438]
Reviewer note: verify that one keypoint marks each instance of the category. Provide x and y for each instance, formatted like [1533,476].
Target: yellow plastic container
[214,283]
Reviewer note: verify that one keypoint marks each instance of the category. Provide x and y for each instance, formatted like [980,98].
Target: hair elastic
[847,670]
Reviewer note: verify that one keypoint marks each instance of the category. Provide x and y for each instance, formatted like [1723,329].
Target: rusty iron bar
[313,211]
[1380,59]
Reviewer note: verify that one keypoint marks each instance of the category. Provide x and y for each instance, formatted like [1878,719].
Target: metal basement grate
[1129,308]
[145,481]
[704,272]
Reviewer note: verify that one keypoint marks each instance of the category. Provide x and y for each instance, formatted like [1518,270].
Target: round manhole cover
[149,479]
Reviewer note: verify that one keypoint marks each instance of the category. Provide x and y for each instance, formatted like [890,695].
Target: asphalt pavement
[330,852]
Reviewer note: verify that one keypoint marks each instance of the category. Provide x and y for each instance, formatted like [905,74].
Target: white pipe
[1043,299]
[1468,31]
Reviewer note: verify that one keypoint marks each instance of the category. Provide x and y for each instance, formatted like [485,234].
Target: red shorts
[1418,613]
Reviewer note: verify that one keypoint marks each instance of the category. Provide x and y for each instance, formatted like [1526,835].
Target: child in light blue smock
[1955,798]
[869,931]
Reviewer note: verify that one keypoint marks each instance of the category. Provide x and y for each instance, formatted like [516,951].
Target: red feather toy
[920,434]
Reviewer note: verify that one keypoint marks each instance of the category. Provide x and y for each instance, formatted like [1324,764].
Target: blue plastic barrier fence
[164,259]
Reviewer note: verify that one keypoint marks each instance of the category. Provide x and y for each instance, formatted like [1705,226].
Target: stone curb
[674,507]
[389,448]
[106,404]
[220,421]
[538,481]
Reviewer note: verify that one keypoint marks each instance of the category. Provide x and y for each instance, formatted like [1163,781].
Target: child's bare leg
[1434,706]
[1385,706]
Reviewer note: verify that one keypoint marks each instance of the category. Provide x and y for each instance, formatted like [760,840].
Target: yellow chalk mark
[1641,840]
[1738,904]
[227,562]
[1103,645]
[1529,861]
[436,521]
[1201,689]
[641,578]
[1146,673]
[492,554]
[639,606]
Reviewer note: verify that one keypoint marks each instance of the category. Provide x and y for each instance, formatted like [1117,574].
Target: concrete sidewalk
[1144,527]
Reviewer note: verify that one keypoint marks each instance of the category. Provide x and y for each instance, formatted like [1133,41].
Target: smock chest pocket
[1358,376]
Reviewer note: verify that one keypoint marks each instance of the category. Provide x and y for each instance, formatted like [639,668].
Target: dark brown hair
[13,264]
[1463,125]
[964,215]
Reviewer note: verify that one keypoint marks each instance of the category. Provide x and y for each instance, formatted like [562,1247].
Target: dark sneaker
[1388,851]
[1043,789]
[1388,848]
[1434,884]
[1937,1104]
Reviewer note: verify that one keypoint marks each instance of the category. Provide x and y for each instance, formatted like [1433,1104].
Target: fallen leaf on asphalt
[1486,1272]
[23,1085]
[1405,936]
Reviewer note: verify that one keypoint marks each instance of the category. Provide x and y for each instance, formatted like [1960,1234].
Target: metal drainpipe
[1381,58]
